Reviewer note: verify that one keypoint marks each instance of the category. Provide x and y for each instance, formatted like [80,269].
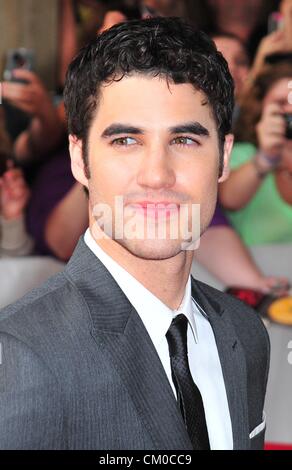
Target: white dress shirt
[202,351]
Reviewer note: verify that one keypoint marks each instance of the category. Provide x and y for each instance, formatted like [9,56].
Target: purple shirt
[53,181]
[219,217]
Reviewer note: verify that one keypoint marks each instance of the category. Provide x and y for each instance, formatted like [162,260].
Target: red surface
[277,446]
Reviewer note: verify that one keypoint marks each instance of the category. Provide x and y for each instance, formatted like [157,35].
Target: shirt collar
[155,315]
[187,308]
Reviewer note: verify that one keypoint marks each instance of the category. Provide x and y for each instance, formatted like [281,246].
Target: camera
[288,120]
[20,58]
[3,164]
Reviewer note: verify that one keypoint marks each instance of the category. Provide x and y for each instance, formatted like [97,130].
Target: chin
[152,249]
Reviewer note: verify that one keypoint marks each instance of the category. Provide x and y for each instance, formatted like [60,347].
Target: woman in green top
[258,193]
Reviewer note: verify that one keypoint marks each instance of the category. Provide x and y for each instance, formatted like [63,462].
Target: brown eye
[123,141]
[184,141]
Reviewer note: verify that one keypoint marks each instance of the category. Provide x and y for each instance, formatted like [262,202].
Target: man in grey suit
[124,350]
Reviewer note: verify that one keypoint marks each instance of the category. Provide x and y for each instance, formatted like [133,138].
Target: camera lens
[18,60]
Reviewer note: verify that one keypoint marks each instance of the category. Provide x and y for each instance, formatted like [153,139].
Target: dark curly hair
[166,47]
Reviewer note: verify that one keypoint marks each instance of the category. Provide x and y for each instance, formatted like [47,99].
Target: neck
[166,278]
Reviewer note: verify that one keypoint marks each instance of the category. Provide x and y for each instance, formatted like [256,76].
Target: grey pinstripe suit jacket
[79,371]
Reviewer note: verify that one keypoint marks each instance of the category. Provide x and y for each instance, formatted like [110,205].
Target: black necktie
[188,395]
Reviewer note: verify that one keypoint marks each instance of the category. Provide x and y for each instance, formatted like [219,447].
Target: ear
[77,162]
[228,144]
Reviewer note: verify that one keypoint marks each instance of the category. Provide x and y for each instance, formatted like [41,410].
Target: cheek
[109,176]
[199,180]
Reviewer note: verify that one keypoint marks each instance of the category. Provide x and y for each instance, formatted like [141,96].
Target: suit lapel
[117,325]
[233,364]
[135,359]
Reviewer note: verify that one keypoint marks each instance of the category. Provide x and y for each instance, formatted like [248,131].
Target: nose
[156,170]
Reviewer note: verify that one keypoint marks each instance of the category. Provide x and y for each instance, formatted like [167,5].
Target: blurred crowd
[44,210]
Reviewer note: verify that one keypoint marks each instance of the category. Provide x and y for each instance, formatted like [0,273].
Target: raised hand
[14,193]
[271,131]
[31,97]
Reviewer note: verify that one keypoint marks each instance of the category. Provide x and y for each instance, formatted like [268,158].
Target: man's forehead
[149,91]
[151,103]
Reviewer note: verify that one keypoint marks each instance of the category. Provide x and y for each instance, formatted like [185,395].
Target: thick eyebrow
[186,128]
[117,128]
[190,128]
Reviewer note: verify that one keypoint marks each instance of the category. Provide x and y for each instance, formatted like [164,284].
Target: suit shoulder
[42,310]
[29,300]
[245,319]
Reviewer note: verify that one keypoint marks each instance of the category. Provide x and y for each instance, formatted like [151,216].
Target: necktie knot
[177,336]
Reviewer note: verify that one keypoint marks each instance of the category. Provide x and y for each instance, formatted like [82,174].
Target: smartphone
[275,21]
[288,120]
[20,58]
